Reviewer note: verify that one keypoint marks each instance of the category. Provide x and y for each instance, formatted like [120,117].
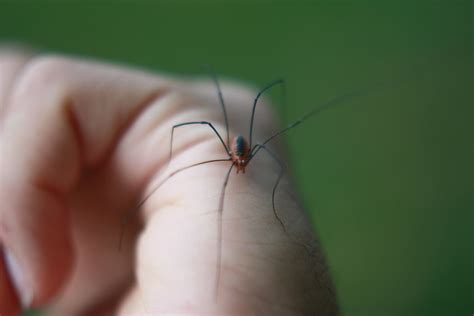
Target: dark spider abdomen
[240,146]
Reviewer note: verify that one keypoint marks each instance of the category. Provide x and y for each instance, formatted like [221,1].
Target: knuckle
[43,74]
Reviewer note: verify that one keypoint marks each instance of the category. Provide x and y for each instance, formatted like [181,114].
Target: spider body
[240,153]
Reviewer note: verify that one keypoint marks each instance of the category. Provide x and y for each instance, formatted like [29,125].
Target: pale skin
[81,142]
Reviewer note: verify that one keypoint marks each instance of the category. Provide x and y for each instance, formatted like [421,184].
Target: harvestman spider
[240,153]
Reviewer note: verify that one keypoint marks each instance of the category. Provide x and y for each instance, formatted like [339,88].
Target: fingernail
[17,276]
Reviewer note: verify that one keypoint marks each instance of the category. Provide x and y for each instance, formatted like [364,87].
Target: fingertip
[36,281]
[38,248]
[9,302]
[39,274]
[23,290]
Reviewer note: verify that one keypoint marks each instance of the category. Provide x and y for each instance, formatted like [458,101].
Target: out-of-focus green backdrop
[388,178]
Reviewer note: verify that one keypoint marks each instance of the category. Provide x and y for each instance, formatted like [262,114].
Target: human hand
[81,142]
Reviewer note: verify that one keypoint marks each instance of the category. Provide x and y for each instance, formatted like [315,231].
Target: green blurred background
[388,178]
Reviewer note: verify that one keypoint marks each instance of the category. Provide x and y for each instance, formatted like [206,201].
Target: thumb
[193,247]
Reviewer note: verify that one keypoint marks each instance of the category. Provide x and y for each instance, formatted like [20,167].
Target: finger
[64,116]
[262,268]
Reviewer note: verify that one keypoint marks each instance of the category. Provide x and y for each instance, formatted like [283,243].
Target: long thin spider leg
[221,100]
[219,233]
[132,212]
[273,83]
[336,101]
[195,123]
[283,167]
[283,102]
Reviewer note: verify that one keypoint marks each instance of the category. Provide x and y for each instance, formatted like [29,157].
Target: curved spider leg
[333,102]
[128,216]
[227,150]
[283,167]
[219,233]
[255,101]
[221,100]
[133,211]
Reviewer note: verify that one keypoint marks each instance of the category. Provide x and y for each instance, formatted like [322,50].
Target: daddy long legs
[240,152]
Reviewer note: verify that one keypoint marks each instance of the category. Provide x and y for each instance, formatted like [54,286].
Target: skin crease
[97,141]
